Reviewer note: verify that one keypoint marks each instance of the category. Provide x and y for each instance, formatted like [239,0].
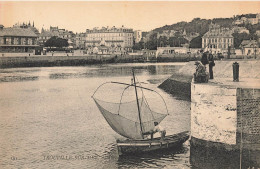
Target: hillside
[198,25]
[201,26]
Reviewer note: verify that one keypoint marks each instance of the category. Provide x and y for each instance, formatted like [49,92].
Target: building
[258,33]
[17,39]
[171,50]
[80,40]
[61,33]
[249,47]
[237,29]
[253,19]
[166,33]
[44,36]
[217,39]
[117,39]
[137,36]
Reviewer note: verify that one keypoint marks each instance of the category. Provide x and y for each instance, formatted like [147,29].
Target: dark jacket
[211,60]
[204,59]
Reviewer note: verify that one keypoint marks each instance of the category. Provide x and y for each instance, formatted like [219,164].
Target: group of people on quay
[201,75]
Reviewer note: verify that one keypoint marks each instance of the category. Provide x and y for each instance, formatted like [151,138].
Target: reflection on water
[55,116]
[16,75]
[159,159]
[114,70]
[18,78]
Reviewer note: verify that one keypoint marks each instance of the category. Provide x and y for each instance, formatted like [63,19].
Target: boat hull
[141,146]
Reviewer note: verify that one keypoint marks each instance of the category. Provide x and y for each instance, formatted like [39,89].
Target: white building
[119,39]
[217,39]
[137,36]
[249,47]
[80,40]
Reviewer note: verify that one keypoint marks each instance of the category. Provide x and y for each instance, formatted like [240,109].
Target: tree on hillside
[177,41]
[56,42]
[196,42]
[252,28]
[152,42]
[224,22]
[138,46]
[162,41]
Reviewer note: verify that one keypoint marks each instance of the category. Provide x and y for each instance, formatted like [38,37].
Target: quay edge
[225,116]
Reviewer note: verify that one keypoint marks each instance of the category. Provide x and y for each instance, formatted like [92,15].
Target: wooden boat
[133,115]
[139,146]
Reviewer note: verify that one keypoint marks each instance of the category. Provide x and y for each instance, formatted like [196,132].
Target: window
[5,41]
[19,41]
[12,40]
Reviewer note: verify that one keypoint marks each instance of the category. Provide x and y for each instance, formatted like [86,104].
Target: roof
[212,34]
[215,31]
[249,43]
[23,32]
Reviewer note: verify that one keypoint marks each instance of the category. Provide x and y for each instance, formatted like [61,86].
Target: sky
[147,15]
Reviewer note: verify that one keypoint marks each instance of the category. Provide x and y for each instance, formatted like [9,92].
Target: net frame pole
[139,113]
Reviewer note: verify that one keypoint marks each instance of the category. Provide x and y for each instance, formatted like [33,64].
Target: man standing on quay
[211,64]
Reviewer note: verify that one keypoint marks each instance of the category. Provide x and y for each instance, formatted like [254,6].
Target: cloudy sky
[79,16]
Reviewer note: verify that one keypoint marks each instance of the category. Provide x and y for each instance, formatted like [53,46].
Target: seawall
[225,115]
[43,61]
[11,60]
[179,84]
[225,118]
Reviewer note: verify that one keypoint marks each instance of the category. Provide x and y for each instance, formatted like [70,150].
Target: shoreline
[50,61]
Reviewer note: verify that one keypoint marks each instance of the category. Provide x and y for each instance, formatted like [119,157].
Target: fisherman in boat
[160,129]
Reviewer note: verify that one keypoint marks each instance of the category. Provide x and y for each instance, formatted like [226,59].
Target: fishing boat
[132,114]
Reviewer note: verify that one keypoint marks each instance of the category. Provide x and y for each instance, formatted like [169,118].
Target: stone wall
[213,113]
[248,115]
[220,112]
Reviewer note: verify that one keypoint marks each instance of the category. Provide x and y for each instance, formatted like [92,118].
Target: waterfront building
[172,51]
[137,36]
[17,39]
[44,36]
[249,47]
[55,31]
[217,39]
[80,40]
[117,39]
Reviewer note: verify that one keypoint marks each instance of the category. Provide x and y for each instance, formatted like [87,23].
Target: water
[49,120]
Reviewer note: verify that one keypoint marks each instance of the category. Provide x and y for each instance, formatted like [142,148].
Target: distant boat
[131,117]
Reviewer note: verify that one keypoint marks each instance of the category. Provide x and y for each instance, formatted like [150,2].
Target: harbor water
[49,120]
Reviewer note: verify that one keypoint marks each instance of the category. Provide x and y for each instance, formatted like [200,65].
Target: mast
[139,113]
